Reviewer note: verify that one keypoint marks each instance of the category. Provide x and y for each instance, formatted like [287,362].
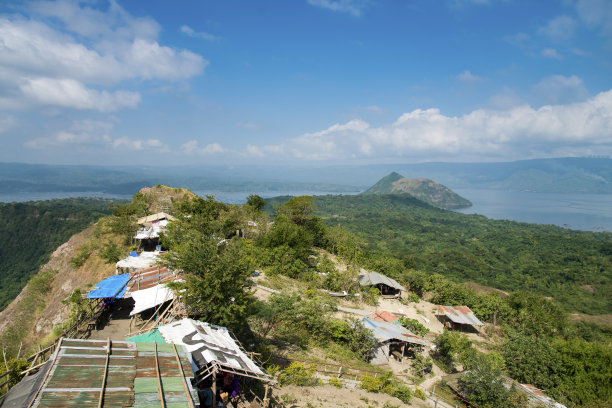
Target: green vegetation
[31,231]
[425,190]
[427,249]
[573,267]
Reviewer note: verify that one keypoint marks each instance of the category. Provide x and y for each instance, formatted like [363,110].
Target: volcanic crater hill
[426,190]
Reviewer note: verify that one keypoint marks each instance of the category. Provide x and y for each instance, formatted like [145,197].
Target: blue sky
[304,81]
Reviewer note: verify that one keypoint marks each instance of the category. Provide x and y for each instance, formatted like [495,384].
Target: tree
[483,384]
[256,202]
[298,210]
[532,360]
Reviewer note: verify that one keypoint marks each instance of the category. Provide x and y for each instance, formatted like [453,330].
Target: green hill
[31,231]
[424,189]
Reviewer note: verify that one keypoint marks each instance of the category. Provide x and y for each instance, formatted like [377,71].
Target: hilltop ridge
[424,189]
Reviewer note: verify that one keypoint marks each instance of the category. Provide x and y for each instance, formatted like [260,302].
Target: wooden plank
[180,366]
[160,391]
[108,351]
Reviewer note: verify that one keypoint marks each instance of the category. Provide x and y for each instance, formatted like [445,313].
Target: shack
[458,317]
[393,340]
[136,262]
[95,373]
[147,237]
[215,351]
[388,287]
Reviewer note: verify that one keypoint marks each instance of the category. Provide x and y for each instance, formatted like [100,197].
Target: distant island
[423,189]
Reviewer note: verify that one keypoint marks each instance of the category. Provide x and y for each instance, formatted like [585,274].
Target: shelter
[151,297]
[392,339]
[111,287]
[150,219]
[213,349]
[458,317]
[150,277]
[388,287]
[94,373]
[133,264]
[152,226]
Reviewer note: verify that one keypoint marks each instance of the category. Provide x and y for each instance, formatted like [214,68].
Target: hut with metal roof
[458,317]
[393,340]
[388,287]
[104,373]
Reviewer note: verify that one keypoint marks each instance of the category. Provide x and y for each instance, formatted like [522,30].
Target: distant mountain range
[561,175]
[424,189]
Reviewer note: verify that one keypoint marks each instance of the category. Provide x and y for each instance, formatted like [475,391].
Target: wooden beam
[187,393]
[108,353]
[160,391]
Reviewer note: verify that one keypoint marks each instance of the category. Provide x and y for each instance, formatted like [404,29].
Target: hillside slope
[31,231]
[424,189]
[33,313]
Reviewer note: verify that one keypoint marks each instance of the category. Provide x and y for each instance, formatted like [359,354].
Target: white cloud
[354,7]
[192,33]
[551,53]
[193,147]
[596,14]
[560,28]
[468,77]
[131,144]
[74,48]
[69,93]
[559,89]
[512,133]
[93,135]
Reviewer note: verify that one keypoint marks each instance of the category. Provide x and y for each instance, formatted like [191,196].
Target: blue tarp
[113,286]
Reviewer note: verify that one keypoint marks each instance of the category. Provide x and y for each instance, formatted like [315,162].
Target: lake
[587,212]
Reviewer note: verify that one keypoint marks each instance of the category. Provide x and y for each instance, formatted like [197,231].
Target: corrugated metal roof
[155,217]
[75,378]
[375,278]
[460,314]
[150,277]
[384,331]
[113,286]
[385,316]
[537,396]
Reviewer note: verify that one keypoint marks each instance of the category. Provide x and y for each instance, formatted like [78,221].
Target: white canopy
[209,343]
[144,260]
[147,298]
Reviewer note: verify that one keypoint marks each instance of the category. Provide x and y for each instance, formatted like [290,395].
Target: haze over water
[587,212]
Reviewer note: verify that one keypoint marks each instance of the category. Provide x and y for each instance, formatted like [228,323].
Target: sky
[301,82]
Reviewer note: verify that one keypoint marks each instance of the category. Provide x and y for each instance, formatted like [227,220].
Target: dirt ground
[117,327]
[330,396]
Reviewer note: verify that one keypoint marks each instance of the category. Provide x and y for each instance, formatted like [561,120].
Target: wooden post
[19,352]
[339,371]
[108,352]
[265,400]
[403,349]
[214,387]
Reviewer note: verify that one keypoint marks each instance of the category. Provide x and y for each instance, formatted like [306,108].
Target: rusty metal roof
[76,376]
[460,314]
[150,277]
[384,331]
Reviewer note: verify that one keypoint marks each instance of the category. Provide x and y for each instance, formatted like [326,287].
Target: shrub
[298,374]
[419,393]
[335,382]
[81,256]
[110,253]
[402,392]
[414,326]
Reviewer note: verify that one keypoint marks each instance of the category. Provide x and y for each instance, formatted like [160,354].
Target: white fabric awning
[209,343]
[144,260]
[149,298]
